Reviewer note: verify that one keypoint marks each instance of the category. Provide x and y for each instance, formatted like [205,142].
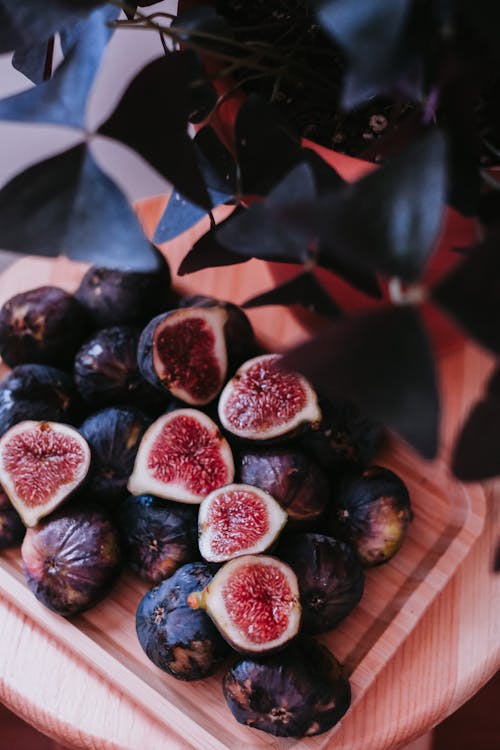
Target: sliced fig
[264,402]
[294,479]
[158,536]
[184,352]
[114,436]
[330,576]
[183,457]
[44,325]
[181,641]
[238,520]
[41,463]
[72,559]
[254,602]
[299,692]
[12,529]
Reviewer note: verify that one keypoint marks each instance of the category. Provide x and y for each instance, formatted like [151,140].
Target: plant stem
[49,59]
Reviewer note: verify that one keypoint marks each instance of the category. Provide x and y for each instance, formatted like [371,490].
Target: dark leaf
[325,176]
[470,293]
[10,37]
[383,362]
[482,16]
[207,252]
[202,95]
[180,215]
[365,281]
[476,456]
[66,204]
[28,21]
[151,118]
[304,290]
[30,60]
[202,22]
[63,98]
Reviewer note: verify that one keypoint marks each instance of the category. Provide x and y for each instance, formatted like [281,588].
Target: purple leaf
[30,60]
[31,21]
[304,290]
[207,252]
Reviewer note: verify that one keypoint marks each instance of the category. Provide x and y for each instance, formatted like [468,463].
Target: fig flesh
[299,692]
[330,576]
[12,529]
[373,513]
[72,559]
[44,326]
[41,464]
[179,640]
[184,352]
[107,374]
[254,602]
[183,457]
[264,402]
[114,435]
[297,482]
[238,520]
[158,536]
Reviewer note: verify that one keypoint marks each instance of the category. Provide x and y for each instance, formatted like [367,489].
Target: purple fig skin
[145,354]
[158,536]
[114,297]
[71,559]
[299,485]
[299,692]
[12,529]
[43,326]
[106,372]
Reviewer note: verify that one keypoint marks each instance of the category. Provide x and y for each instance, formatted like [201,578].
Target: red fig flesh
[41,463]
[183,457]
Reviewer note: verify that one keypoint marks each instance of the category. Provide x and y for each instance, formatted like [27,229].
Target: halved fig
[184,352]
[41,463]
[238,520]
[264,402]
[183,457]
[254,602]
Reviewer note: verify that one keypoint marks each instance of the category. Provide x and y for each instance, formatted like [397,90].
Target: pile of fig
[145,430]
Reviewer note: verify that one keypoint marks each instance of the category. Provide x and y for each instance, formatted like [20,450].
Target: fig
[183,457]
[264,402]
[41,464]
[299,692]
[330,575]
[12,528]
[373,513]
[38,392]
[184,352]
[72,559]
[254,602]
[181,641]
[106,371]
[114,435]
[114,297]
[299,485]
[43,326]
[158,536]
[238,520]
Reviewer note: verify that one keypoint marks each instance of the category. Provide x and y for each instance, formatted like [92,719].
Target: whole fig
[12,529]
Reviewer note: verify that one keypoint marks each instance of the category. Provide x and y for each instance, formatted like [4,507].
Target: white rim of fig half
[292,415]
[252,576]
[232,505]
[216,318]
[30,483]
[156,474]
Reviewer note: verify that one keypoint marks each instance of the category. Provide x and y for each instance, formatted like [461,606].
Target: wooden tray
[448,518]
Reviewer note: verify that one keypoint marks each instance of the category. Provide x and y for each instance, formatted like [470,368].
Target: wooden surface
[453,649]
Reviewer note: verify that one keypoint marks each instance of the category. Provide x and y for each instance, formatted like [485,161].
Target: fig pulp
[373,513]
[114,297]
[181,641]
[263,402]
[184,352]
[254,602]
[44,326]
[12,528]
[106,371]
[158,536]
[299,692]
[183,457]
[299,485]
[71,559]
[238,520]
[114,435]
[330,576]
[41,463]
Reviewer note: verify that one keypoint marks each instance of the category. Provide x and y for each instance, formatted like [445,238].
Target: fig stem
[196,600]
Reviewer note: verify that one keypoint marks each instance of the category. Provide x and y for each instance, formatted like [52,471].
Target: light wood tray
[448,519]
